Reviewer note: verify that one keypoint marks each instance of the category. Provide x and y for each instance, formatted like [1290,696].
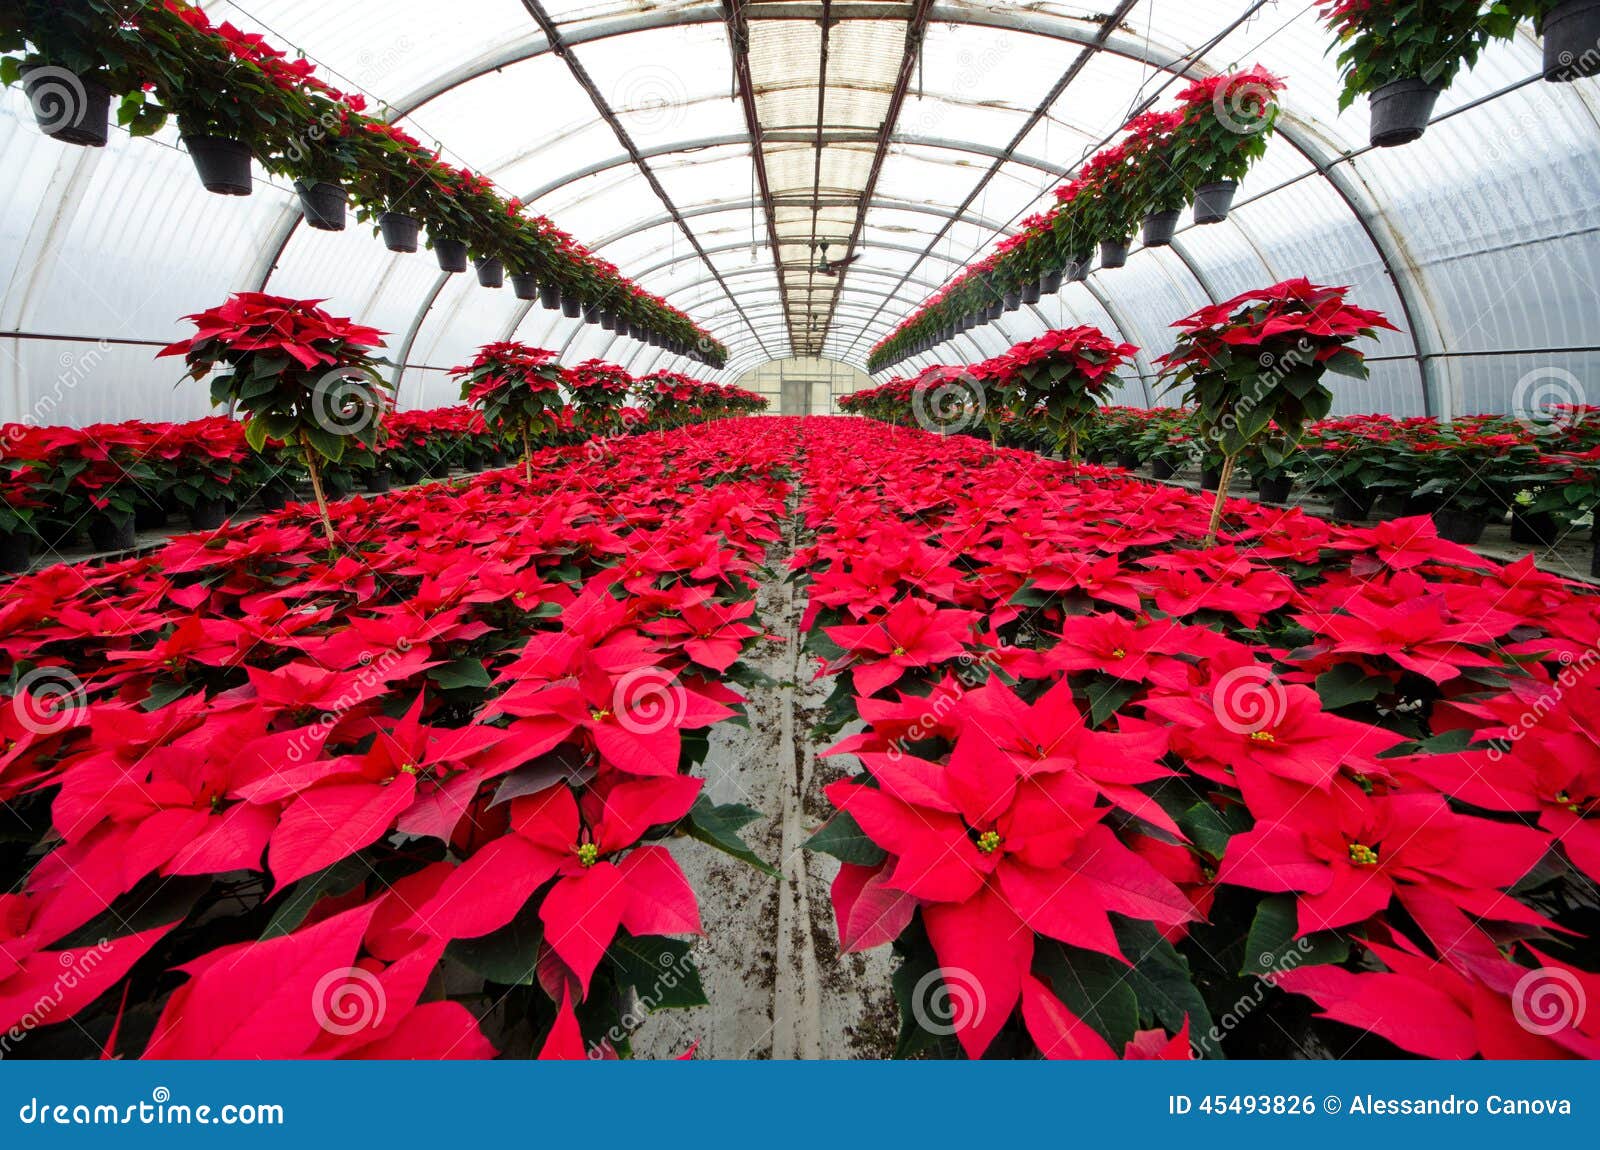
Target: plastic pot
[223,164]
[1458,526]
[1159,228]
[149,517]
[571,306]
[272,497]
[452,255]
[995,311]
[1012,300]
[491,272]
[1113,253]
[1162,469]
[549,296]
[1050,281]
[1128,460]
[1212,201]
[1031,293]
[524,286]
[1401,110]
[1572,41]
[111,533]
[591,313]
[1537,529]
[208,514]
[1211,478]
[1275,490]
[71,108]
[1350,507]
[608,322]
[16,553]
[322,204]
[400,233]
[1594,556]
[379,481]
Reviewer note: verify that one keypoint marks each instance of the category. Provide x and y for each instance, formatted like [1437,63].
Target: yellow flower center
[898,651]
[988,842]
[1263,737]
[1363,855]
[600,716]
[1119,653]
[410,769]
[588,854]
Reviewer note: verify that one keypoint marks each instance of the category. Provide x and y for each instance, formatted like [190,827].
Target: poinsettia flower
[913,633]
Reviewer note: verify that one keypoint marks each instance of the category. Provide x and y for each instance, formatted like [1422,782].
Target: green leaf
[1210,827]
[1093,986]
[1347,683]
[1161,979]
[461,673]
[1272,947]
[324,443]
[340,878]
[719,826]
[155,902]
[842,837]
[659,970]
[1106,696]
[509,956]
[916,982]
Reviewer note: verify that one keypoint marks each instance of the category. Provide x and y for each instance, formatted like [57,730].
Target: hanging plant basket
[400,233]
[608,322]
[1212,201]
[571,306]
[1571,41]
[1081,268]
[1012,300]
[223,164]
[549,296]
[323,205]
[1159,228]
[451,254]
[1401,110]
[491,272]
[1031,292]
[71,108]
[524,286]
[591,313]
[1050,282]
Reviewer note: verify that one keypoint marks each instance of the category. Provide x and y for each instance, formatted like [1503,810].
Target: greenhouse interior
[659,530]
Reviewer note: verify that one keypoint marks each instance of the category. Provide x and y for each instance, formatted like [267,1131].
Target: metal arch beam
[739,247]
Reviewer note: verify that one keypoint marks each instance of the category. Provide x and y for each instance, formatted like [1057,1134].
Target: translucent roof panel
[913,147]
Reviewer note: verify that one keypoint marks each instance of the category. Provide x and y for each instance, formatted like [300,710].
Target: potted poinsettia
[1259,359]
[1063,375]
[1571,32]
[19,502]
[518,390]
[296,374]
[69,66]
[1402,53]
[1227,120]
[598,390]
[1155,183]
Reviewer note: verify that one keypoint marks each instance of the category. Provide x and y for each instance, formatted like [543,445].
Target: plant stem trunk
[316,487]
[1222,494]
[527,458]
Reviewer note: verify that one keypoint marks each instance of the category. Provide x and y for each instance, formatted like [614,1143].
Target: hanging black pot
[322,204]
[524,286]
[71,108]
[1113,253]
[208,514]
[571,306]
[1012,300]
[1031,293]
[549,296]
[1212,201]
[491,272]
[1159,228]
[1401,110]
[1050,281]
[111,533]
[1162,469]
[1537,529]
[996,310]
[1571,34]
[400,233]
[1275,490]
[608,322]
[223,164]
[591,313]
[16,553]
[1457,526]
[452,255]
[1080,268]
